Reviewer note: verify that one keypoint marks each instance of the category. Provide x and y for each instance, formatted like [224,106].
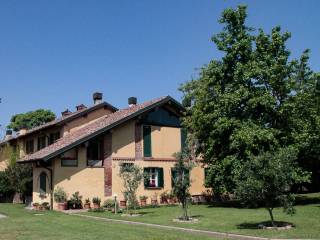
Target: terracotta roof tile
[83,134]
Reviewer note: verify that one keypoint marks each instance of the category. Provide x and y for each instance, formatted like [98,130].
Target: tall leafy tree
[246,103]
[30,119]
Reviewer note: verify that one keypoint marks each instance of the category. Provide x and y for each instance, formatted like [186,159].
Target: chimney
[8,134]
[66,112]
[132,101]
[22,131]
[80,107]
[97,98]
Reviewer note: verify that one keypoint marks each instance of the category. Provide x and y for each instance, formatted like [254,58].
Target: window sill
[153,188]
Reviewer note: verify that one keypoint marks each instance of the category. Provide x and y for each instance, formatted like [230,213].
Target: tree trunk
[271,216]
[184,209]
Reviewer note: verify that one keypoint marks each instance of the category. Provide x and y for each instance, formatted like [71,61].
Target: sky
[55,54]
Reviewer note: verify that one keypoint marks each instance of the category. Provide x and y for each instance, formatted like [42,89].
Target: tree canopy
[255,99]
[30,119]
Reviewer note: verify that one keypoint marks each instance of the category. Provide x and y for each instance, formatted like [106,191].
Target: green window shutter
[147,141]
[146,181]
[206,176]
[43,183]
[187,175]
[160,177]
[183,133]
[173,176]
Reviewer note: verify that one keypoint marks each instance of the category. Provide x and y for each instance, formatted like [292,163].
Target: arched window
[43,183]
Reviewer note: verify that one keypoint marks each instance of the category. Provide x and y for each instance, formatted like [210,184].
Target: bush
[59,195]
[97,210]
[109,203]
[96,200]
[75,201]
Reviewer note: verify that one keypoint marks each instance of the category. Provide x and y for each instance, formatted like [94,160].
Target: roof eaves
[98,132]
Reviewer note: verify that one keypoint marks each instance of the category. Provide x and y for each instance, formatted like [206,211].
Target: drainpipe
[51,188]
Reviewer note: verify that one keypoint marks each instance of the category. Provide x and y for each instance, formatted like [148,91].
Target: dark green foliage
[30,119]
[75,201]
[181,181]
[253,100]
[266,180]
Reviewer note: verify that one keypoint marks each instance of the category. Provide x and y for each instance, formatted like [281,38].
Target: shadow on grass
[258,225]
[305,200]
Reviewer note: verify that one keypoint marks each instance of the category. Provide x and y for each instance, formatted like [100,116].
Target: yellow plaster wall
[165,141]
[36,186]
[123,144]
[196,177]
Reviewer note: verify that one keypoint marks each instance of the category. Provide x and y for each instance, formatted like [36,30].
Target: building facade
[87,154]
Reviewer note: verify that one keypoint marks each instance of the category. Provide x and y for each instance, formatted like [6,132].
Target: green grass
[238,220]
[24,224]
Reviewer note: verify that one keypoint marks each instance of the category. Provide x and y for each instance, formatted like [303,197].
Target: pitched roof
[95,128]
[62,120]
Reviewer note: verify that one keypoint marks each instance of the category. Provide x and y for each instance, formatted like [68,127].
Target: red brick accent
[138,142]
[107,163]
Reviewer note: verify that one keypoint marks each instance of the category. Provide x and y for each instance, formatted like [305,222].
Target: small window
[147,141]
[154,177]
[29,146]
[41,142]
[183,133]
[70,158]
[53,137]
[95,153]
[43,184]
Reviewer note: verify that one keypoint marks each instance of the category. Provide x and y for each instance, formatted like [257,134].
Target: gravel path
[203,232]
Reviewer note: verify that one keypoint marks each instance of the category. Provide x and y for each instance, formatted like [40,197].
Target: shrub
[75,201]
[97,210]
[96,200]
[143,197]
[59,195]
[109,203]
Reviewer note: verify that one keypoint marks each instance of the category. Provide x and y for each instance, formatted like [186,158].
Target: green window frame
[154,177]
[147,152]
[41,142]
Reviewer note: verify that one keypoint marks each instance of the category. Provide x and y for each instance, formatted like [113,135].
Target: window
[95,153]
[43,184]
[154,177]
[147,141]
[70,158]
[41,142]
[53,137]
[29,146]
[174,175]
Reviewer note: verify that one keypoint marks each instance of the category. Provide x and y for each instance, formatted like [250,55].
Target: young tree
[30,119]
[248,102]
[181,181]
[131,176]
[267,179]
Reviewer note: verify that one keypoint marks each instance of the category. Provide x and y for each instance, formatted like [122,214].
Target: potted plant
[60,197]
[87,203]
[45,205]
[164,197]
[96,202]
[143,200]
[154,200]
[75,201]
[172,198]
[35,206]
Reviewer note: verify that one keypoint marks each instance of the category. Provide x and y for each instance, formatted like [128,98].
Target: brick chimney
[66,112]
[132,101]
[97,98]
[80,107]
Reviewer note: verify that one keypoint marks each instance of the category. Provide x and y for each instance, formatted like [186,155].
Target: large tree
[30,119]
[248,102]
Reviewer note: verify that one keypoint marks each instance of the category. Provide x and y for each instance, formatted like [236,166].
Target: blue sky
[55,54]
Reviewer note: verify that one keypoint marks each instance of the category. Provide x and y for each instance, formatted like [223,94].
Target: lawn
[25,224]
[238,220]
